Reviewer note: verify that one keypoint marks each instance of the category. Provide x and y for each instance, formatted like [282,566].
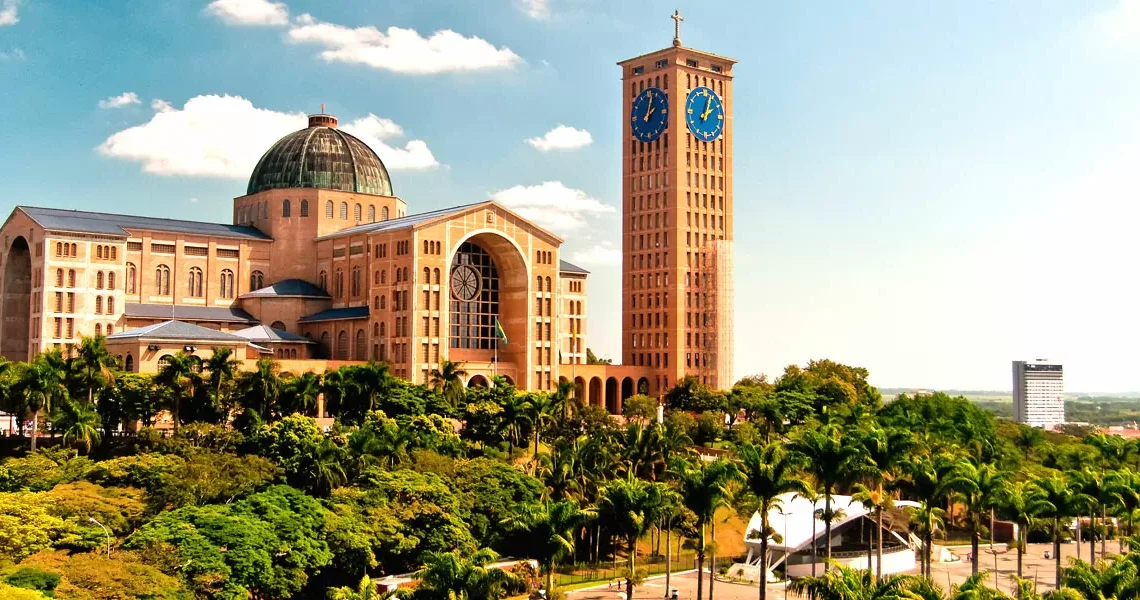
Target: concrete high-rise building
[1038,393]
[677,214]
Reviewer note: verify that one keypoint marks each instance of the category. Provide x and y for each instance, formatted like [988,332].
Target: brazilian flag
[502,335]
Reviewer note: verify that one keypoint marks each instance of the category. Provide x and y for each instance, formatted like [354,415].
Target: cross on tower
[677,18]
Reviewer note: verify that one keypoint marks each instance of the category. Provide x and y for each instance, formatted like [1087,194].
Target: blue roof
[58,219]
[289,287]
[337,314]
[565,267]
[220,314]
[177,330]
[401,223]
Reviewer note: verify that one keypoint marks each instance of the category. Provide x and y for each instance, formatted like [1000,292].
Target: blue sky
[929,190]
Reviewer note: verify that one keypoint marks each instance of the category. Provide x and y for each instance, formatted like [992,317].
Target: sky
[928,190]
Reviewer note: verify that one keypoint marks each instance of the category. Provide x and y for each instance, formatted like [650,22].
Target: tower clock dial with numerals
[704,113]
[648,117]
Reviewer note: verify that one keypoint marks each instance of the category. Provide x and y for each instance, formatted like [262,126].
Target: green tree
[926,481]
[453,576]
[41,384]
[27,526]
[768,472]
[886,449]
[222,368]
[541,411]
[179,378]
[300,394]
[550,527]
[261,388]
[592,359]
[843,583]
[79,423]
[448,380]
[704,488]
[628,506]
[979,487]
[93,366]
[1057,499]
[1023,502]
[639,406]
[832,458]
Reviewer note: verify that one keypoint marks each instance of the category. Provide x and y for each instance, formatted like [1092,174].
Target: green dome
[321,156]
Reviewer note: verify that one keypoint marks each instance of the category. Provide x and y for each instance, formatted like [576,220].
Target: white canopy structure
[795,521]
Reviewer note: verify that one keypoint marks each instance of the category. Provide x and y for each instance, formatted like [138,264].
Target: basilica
[324,265]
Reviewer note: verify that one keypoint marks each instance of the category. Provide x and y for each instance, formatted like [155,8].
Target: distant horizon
[967,392]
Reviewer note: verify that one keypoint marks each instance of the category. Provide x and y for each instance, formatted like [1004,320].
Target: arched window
[425,247]
[285,210]
[342,345]
[384,277]
[435,276]
[132,278]
[99,280]
[383,329]
[59,278]
[338,283]
[162,280]
[98,305]
[384,213]
[325,350]
[114,255]
[538,282]
[304,208]
[278,325]
[427,275]
[360,352]
[355,281]
[383,302]
[98,251]
[375,329]
[323,280]
[164,362]
[75,249]
[227,283]
[111,331]
[59,249]
[343,211]
[356,212]
[110,307]
[71,278]
[256,280]
[111,281]
[129,363]
[376,302]
[195,283]
[549,288]
[98,330]
[474,308]
[371,214]
[329,209]
[376,278]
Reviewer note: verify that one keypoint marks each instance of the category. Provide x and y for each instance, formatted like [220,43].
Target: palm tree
[704,488]
[1022,501]
[261,388]
[978,486]
[1027,439]
[324,472]
[302,392]
[79,423]
[448,381]
[926,481]
[886,449]
[451,576]
[1122,487]
[832,459]
[41,384]
[843,583]
[1108,580]
[514,419]
[179,375]
[1088,487]
[630,506]
[550,528]
[768,472]
[812,494]
[1057,498]
[542,407]
[221,366]
[94,365]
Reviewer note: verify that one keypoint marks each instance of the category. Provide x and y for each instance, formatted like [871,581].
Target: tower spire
[677,18]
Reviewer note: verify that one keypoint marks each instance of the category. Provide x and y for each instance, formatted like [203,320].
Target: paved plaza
[1035,567]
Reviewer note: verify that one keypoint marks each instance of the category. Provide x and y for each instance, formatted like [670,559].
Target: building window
[285,211]
[227,283]
[329,209]
[384,213]
[342,345]
[304,208]
[195,283]
[343,211]
[99,280]
[71,278]
[356,212]
[162,280]
[98,305]
[278,325]
[110,281]
[110,306]
[132,278]
[355,281]
[359,353]
[256,280]
[323,281]
[474,298]
[338,283]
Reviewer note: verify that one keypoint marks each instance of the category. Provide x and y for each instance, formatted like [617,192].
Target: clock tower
[677,268]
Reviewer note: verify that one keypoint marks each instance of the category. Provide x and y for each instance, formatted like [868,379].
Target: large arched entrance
[487,284]
[15,310]
[643,386]
[478,381]
[580,390]
[612,401]
[595,391]
[626,388]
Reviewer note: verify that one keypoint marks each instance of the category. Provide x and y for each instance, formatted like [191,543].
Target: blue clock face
[649,115]
[704,114]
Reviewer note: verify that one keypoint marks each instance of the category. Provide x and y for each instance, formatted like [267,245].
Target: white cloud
[119,101]
[193,201]
[603,254]
[13,54]
[1117,27]
[249,12]
[562,138]
[535,9]
[224,136]
[401,50]
[553,205]
[9,12]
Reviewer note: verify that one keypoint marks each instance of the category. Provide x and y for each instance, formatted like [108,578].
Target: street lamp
[105,531]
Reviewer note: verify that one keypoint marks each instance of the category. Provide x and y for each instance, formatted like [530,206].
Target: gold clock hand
[708,109]
[649,109]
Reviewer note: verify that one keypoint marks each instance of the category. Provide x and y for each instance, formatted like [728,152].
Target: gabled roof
[565,267]
[58,219]
[217,314]
[262,334]
[288,288]
[337,314]
[415,221]
[177,330]
[792,519]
